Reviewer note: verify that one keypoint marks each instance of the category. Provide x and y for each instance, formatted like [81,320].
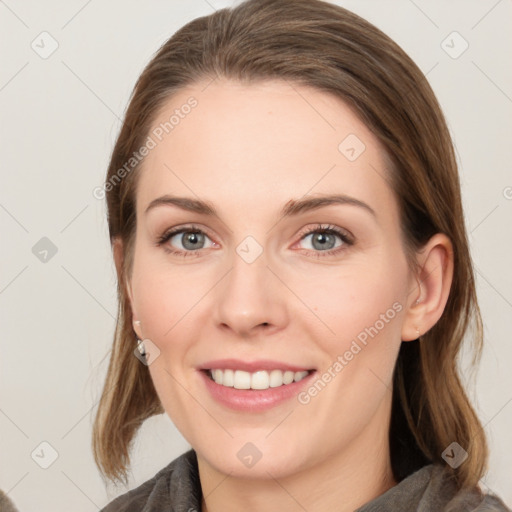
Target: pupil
[322,239]
[191,239]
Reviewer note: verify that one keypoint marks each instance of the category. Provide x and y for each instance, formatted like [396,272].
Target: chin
[256,460]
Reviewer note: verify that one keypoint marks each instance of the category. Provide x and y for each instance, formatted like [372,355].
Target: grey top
[176,488]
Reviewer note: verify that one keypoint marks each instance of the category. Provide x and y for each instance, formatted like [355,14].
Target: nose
[250,299]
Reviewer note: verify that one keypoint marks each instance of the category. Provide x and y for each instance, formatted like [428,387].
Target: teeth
[228,378]
[262,379]
[218,376]
[242,380]
[288,377]
[276,378]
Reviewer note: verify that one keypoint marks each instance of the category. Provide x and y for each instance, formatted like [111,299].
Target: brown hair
[318,44]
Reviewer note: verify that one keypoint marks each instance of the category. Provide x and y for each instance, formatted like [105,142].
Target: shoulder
[441,491]
[177,483]
[432,489]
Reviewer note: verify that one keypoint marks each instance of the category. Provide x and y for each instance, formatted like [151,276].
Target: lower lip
[253,399]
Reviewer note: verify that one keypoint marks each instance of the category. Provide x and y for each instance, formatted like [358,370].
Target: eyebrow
[291,208]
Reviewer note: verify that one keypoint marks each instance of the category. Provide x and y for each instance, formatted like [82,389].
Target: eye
[189,240]
[184,241]
[323,240]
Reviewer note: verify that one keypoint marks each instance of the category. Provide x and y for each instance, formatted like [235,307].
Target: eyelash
[329,229]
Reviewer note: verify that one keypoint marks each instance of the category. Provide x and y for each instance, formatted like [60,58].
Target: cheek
[163,296]
[354,303]
[164,299]
[365,313]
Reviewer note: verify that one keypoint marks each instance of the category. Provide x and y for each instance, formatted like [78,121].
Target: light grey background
[60,117]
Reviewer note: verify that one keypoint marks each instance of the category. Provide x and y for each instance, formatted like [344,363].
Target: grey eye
[191,240]
[323,241]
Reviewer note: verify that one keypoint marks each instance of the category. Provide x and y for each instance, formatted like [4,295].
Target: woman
[294,274]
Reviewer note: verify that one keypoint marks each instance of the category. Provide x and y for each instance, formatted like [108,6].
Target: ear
[118,250]
[428,299]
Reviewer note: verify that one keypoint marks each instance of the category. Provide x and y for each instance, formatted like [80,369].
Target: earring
[418,332]
[141,348]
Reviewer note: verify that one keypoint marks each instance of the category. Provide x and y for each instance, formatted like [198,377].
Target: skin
[249,150]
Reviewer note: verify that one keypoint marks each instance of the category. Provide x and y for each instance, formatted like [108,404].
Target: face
[296,304]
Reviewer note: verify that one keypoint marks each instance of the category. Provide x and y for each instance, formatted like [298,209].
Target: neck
[343,481]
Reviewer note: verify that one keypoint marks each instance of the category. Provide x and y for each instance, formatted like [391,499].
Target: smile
[259,380]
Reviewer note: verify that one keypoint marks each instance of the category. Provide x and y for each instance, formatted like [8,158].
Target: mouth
[254,386]
[259,380]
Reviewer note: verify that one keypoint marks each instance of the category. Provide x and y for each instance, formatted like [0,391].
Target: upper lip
[251,366]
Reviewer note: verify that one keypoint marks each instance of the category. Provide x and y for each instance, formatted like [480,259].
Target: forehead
[257,146]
